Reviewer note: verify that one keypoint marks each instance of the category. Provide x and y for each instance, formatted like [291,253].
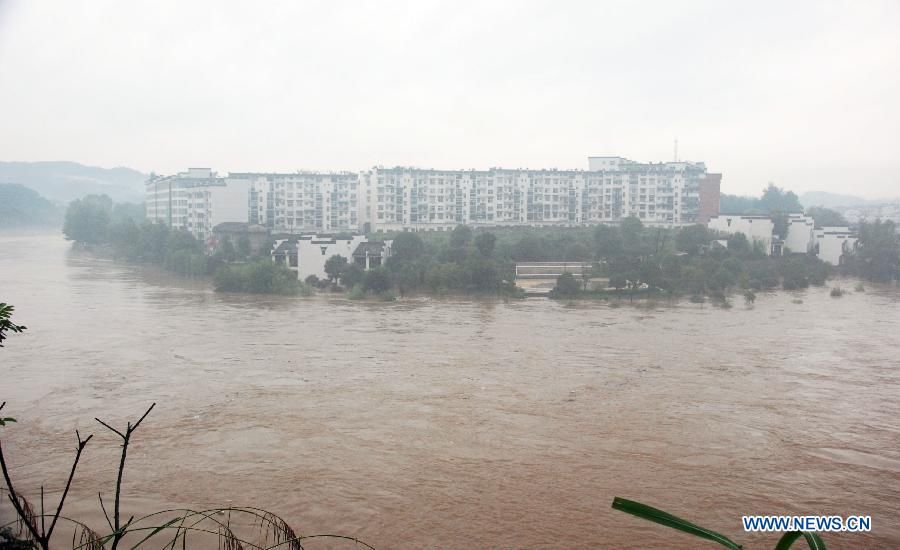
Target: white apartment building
[757,229]
[663,194]
[196,201]
[302,202]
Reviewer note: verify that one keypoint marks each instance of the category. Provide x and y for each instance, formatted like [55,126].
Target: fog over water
[454,423]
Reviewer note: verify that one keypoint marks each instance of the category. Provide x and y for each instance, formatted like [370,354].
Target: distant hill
[65,181]
[24,208]
[830,200]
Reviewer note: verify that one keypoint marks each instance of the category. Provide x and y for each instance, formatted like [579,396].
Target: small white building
[799,238]
[834,244]
[307,254]
[755,228]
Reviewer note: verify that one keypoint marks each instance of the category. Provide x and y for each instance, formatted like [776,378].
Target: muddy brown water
[454,423]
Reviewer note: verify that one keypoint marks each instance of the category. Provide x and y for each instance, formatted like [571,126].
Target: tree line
[95,220]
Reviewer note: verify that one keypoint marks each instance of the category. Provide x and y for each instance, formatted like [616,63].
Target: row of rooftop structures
[667,194]
[830,244]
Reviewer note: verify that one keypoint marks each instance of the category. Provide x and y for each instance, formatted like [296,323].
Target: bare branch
[143,417]
[62,499]
[110,427]
[117,527]
[102,507]
[14,498]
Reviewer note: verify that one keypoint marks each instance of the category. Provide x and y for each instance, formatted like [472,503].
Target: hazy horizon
[801,95]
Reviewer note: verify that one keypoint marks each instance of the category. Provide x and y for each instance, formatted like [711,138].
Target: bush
[837,292]
[357,292]
[262,277]
[377,280]
[566,286]
[353,275]
[749,297]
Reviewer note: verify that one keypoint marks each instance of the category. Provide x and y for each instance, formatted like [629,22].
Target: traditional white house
[799,238]
[834,244]
[307,254]
[755,228]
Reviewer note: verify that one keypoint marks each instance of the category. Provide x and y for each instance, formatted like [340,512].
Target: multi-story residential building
[659,194]
[302,202]
[665,194]
[196,201]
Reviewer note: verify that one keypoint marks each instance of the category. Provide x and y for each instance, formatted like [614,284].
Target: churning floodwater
[454,423]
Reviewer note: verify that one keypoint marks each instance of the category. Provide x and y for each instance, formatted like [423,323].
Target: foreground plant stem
[117,527]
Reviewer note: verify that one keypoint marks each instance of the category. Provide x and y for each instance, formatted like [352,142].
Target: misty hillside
[21,207]
[64,181]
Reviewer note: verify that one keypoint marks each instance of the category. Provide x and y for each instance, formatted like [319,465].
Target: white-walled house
[307,254]
[755,228]
[833,244]
[799,238]
[314,250]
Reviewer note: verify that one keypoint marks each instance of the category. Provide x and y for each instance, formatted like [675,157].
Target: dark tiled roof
[373,248]
[287,247]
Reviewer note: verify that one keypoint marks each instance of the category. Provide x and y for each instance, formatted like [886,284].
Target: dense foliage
[773,200]
[878,255]
[826,217]
[96,220]
[460,261]
[259,277]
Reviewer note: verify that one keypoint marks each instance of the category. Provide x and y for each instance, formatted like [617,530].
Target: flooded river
[454,423]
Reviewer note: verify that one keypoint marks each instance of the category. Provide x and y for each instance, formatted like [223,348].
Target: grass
[813,540]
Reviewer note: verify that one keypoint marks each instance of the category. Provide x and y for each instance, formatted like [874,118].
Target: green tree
[353,275]
[461,236]
[485,243]
[632,236]
[334,267]
[244,248]
[608,242]
[377,280]
[530,248]
[407,246]
[482,274]
[690,239]
[87,219]
[263,277]
[734,204]
[566,286]
[739,245]
[877,257]
[826,217]
[226,247]
[578,252]
[775,199]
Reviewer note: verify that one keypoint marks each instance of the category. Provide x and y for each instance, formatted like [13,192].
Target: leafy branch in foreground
[656,515]
[6,325]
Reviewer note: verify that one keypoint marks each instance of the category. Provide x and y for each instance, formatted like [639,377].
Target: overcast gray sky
[805,94]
